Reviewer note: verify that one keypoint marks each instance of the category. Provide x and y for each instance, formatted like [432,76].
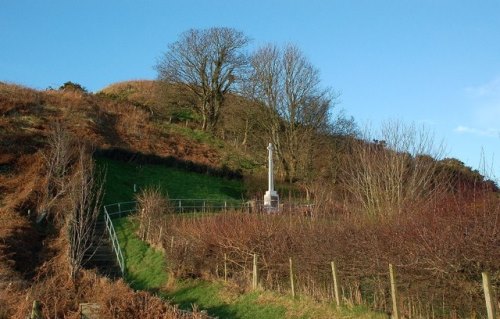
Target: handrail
[114,241]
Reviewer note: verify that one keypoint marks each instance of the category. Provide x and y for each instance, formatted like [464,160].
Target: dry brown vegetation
[100,119]
[437,221]
[38,169]
[152,206]
[439,253]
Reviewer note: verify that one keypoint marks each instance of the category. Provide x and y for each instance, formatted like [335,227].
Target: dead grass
[32,255]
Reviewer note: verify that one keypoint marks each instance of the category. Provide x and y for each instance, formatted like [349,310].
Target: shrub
[72,87]
[152,207]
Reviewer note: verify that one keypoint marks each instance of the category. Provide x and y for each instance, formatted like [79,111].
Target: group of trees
[281,81]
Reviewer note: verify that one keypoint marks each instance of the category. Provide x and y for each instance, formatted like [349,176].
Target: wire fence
[212,206]
[301,273]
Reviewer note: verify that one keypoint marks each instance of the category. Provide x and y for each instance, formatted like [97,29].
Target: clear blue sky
[424,61]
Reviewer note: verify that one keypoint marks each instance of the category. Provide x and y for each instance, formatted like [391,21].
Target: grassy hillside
[176,183]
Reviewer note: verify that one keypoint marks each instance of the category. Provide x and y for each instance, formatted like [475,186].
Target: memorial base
[271,201]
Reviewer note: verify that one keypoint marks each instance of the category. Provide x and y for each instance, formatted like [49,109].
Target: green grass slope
[176,183]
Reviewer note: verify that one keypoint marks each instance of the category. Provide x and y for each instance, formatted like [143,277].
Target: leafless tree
[288,85]
[58,160]
[208,62]
[85,201]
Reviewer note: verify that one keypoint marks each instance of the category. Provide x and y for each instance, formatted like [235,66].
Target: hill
[142,123]
[32,244]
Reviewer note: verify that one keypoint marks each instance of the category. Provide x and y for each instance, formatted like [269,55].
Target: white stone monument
[271,198]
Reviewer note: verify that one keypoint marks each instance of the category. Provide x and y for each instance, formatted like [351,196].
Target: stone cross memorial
[271,198]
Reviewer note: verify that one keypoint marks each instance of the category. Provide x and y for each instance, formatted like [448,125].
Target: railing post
[292,282]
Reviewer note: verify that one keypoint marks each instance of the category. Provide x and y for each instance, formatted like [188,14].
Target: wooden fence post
[254,278]
[395,311]
[488,296]
[292,283]
[335,284]
[36,312]
[225,267]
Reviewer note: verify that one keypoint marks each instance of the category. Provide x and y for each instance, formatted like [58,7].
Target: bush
[152,207]
[72,87]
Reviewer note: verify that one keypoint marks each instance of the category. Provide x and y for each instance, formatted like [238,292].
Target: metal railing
[122,209]
[114,241]
[181,206]
[205,205]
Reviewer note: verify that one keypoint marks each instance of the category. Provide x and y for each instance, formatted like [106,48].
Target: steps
[101,255]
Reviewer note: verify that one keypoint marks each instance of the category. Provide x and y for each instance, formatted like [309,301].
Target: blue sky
[433,62]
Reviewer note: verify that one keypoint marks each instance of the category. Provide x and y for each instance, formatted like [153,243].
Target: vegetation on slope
[149,269]
[32,246]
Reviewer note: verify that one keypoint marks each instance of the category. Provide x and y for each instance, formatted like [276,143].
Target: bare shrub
[439,253]
[153,207]
[395,171]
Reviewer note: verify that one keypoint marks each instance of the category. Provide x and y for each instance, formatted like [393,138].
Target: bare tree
[57,159]
[288,85]
[208,62]
[85,201]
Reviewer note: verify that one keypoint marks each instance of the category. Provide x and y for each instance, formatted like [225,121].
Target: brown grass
[33,260]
